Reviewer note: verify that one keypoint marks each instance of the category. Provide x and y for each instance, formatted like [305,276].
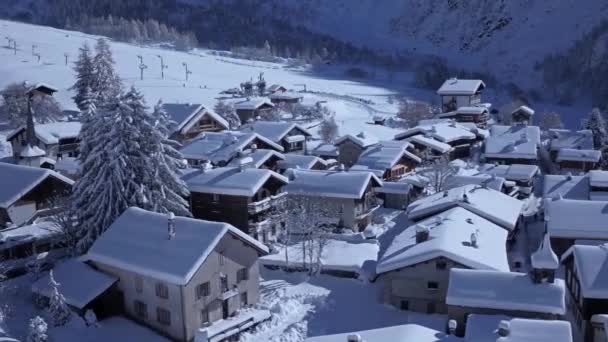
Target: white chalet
[456,93]
[458,136]
[350,147]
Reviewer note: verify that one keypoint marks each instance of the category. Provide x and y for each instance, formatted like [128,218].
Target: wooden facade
[251,114]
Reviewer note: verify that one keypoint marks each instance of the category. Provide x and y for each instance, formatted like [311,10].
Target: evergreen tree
[84,74]
[106,83]
[597,124]
[87,116]
[58,308]
[37,330]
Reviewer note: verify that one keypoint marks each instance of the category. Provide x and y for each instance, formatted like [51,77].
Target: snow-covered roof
[397,333]
[513,172]
[566,186]
[275,87]
[569,154]
[563,138]
[51,133]
[524,110]
[492,205]
[17,180]
[338,184]
[185,114]
[222,146]
[275,131]
[300,161]
[454,86]
[253,104]
[592,269]
[483,328]
[492,182]
[284,96]
[325,150]
[544,257]
[472,110]
[394,188]
[258,157]
[67,165]
[450,235]
[79,283]
[416,179]
[445,131]
[230,180]
[36,231]
[138,242]
[431,143]
[563,217]
[516,142]
[505,291]
[30,151]
[598,178]
[384,155]
[362,139]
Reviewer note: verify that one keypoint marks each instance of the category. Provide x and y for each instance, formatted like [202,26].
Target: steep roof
[397,333]
[17,180]
[300,161]
[222,146]
[566,186]
[592,269]
[483,328]
[394,188]
[513,172]
[517,142]
[456,181]
[563,138]
[454,86]
[338,184]
[185,113]
[449,237]
[230,180]
[138,242]
[51,133]
[363,139]
[563,217]
[443,130]
[275,131]
[490,204]
[384,155]
[505,291]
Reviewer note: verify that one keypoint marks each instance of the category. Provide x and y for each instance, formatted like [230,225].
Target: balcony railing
[266,203]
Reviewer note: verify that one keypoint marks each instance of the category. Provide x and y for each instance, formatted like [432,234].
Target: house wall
[396,201]
[40,197]
[453,102]
[349,153]
[228,208]
[576,165]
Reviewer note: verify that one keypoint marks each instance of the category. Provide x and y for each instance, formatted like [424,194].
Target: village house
[522,115]
[429,148]
[303,162]
[284,98]
[350,147]
[220,148]
[459,137]
[501,328]
[251,109]
[351,194]
[456,93]
[598,180]
[517,144]
[396,195]
[245,197]
[27,192]
[477,115]
[291,136]
[185,278]
[388,160]
[573,150]
[586,278]
[571,220]
[521,178]
[53,141]
[259,159]
[416,264]
[189,120]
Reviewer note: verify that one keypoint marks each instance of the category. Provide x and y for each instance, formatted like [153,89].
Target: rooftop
[223,146]
[513,172]
[51,133]
[569,154]
[566,186]
[431,143]
[563,217]
[454,86]
[338,184]
[325,150]
[445,131]
[592,269]
[398,333]
[515,142]
[258,157]
[383,156]
[300,161]
[184,113]
[253,104]
[598,178]
[492,182]
[18,180]
[230,180]
[563,138]
[362,139]
[483,328]
[275,131]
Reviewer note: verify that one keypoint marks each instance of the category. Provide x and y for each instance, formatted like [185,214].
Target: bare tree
[328,129]
[411,112]
[437,172]
[550,120]
[227,111]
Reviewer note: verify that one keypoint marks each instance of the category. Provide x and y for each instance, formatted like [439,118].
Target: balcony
[267,203]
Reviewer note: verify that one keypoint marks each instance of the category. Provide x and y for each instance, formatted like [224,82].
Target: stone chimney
[171,225]
[354,338]
[422,233]
[504,328]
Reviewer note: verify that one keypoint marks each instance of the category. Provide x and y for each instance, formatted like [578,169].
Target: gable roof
[517,141]
[230,180]
[492,182]
[275,131]
[17,180]
[430,143]
[137,242]
[563,217]
[467,110]
[492,205]
[524,110]
[592,269]
[253,104]
[258,157]
[483,328]
[383,156]
[300,161]
[51,133]
[513,172]
[442,130]
[564,138]
[222,146]
[184,114]
[570,154]
[362,139]
[449,237]
[325,150]
[504,291]
[598,178]
[337,184]
[454,86]
[566,186]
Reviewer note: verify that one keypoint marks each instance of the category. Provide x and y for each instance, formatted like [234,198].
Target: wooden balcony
[267,203]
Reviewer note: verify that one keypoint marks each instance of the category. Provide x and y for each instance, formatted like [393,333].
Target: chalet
[523,177]
[396,195]
[251,109]
[522,115]
[416,264]
[457,93]
[283,97]
[388,160]
[599,324]
[398,333]
[259,159]
[350,147]
[203,293]
[565,225]
[27,192]
[459,137]
[516,144]
[189,120]
[219,148]
[573,150]
[350,193]
[587,282]
[477,115]
[245,197]
[291,136]
[502,328]
[578,160]
[276,88]
[53,141]
[303,162]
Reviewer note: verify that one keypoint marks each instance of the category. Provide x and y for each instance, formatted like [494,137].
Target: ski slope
[210,75]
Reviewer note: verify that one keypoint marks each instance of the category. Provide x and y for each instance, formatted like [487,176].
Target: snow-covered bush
[58,308]
[37,330]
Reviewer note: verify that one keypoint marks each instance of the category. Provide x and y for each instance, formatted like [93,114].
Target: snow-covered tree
[550,120]
[58,308]
[87,118]
[37,330]
[106,83]
[411,112]
[437,173]
[227,111]
[597,124]
[83,67]
[328,129]
[15,103]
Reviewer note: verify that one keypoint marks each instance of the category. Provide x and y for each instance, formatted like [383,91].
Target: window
[141,309]
[162,290]
[244,299]
[163,316]
[216,197]
[242,274]
[404,305]
[432,286]
[224,283]
[441,264]
[139,284]
[222,259]
[204,316]
[202,290]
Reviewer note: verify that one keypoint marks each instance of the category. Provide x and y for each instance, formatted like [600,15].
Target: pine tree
[597,124]
[84,74]
[227,112]
[37,330]
[87,117]
[58,308]
[106,83]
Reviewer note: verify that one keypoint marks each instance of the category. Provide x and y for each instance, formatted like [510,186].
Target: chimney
[171,225]
[254,147]
[422,233]
[354,338]
[452,326]
[504,328]
[445,193]
[465,198]
[474,239]
[341,167]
